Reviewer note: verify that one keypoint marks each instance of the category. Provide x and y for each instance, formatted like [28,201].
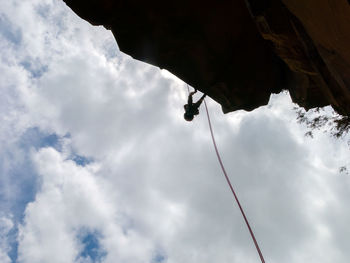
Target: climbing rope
[230,185]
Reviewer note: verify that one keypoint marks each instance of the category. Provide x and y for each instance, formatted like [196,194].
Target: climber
[191,108]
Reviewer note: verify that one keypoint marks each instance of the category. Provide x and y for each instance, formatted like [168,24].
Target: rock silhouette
[238,52]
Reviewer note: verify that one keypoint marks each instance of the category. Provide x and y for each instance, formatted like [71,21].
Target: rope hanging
[231,187]
[229,183]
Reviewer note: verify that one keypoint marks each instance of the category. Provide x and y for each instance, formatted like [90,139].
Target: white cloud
[6,225]
[73,198]
[154,187]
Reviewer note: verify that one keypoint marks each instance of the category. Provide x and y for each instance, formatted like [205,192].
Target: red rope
[232,190]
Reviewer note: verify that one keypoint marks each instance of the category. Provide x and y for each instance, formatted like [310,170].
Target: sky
[98,165]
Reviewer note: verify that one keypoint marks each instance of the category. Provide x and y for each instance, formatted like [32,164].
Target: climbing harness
[230,185]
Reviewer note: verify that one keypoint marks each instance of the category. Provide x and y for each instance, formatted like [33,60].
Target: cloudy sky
[98,165]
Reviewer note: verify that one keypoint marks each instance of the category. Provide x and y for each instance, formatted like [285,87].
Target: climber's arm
[199,102]
[190,99]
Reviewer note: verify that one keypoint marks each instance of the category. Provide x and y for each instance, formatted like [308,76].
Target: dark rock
[238,52]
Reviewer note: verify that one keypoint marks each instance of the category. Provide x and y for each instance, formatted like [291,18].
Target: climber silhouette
[191,108]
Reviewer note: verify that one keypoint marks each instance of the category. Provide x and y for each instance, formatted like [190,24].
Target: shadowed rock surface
[238,51]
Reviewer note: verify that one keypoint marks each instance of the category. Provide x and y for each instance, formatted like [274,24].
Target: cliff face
[312,37]
[238,52]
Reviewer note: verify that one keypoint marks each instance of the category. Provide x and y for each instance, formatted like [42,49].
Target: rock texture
[238,51]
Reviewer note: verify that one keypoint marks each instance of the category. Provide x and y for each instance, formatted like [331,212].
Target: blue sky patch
[159,257]
[9,32]
[35,69]
[13,253]
[20,185]
[33,137]
[81,160]
[19,178]
[92,248]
